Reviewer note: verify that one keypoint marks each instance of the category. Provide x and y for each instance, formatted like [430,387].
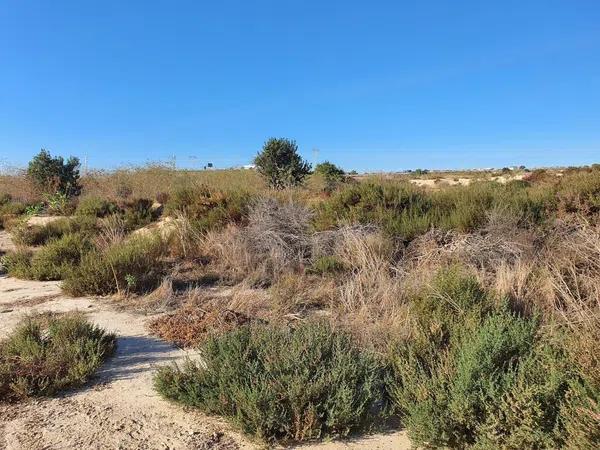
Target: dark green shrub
[53,174]
[280,163]
[95,207]
[138,213]
[280,384]
[33,235]
[59,257]
[47,353]
[131,266]
[330,171]
[398,208]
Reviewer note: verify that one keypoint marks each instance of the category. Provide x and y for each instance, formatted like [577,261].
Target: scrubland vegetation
[468,314]
[47,353]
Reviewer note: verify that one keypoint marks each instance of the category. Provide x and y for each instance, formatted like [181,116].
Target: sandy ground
[433,183]
[119,409]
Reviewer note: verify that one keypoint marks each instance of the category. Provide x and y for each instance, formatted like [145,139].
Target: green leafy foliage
[281,384]
[280,163]
[47,353]
[54,175]
[330,171]
[59,204]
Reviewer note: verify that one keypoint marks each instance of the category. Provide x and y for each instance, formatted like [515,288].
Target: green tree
[280,163]
[55,175]
[330,171]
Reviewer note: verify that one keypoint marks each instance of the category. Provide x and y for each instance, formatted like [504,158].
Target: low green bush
[95,207]
[18,263]
[580,416]
[47,353]
[59,204]
[135,213]
[476,374]
[281,384]
[36,235]
[208,209]
[26,235]
[138,213]
[406,211]
[131,266]
[54,261]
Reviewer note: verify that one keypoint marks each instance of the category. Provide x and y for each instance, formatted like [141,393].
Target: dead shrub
[184,238]
[279,232]
[196,320]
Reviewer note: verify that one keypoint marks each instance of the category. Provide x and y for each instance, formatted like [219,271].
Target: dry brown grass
[159,181]
[19,187]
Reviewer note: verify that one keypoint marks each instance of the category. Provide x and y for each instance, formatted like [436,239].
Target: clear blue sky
[374,85]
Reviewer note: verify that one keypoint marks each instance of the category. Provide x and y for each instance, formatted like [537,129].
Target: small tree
[331,174]
[53,175]
[280,163]
[330,171]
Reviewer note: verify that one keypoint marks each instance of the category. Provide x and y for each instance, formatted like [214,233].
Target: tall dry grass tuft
[369,298]
[229,255]
[112,231]
[184,238]
[372,283]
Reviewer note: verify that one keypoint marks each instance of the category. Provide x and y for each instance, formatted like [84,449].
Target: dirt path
[119,409]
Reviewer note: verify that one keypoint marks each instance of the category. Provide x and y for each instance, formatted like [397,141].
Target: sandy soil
[43,220]
[433,183]
[119,409]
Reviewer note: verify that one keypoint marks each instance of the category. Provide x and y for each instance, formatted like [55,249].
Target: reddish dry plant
[191,325]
